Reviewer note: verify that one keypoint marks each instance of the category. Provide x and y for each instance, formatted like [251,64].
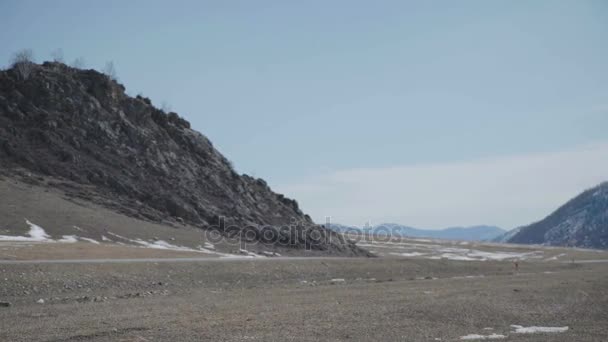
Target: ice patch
[532,330]
[482,337]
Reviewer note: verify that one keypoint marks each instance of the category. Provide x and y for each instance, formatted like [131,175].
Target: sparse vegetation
[78,63]
[110,71]
[23,61]
[57,56]
[165,107]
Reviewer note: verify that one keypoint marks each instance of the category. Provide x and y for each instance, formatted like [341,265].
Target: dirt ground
[280,299]
[117,283]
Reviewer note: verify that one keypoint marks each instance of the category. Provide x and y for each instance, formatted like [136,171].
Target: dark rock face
[582,222]
[80,126]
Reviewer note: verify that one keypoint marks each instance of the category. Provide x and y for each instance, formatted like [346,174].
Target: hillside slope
[101,145]
[581,222]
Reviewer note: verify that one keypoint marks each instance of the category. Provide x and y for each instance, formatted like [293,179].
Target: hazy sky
[430,113]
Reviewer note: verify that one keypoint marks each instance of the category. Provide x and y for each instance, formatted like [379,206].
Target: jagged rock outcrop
[582,222]
[80,127]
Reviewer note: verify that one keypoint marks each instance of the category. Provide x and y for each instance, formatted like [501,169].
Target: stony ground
[279,299]
[118,288]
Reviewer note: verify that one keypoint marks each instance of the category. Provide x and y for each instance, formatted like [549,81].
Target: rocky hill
[582,222]
[80,128]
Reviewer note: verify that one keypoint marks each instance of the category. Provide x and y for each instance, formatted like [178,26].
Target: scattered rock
[40,301]
[5,304]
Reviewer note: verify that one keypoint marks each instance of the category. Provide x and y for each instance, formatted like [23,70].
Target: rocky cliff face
[582,222]
[80,127]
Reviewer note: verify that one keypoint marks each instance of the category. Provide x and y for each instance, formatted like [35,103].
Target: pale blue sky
[295,90]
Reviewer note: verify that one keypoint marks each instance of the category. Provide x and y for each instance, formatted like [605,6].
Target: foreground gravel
[302,300]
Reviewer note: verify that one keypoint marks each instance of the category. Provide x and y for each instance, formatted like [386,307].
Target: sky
[425,113]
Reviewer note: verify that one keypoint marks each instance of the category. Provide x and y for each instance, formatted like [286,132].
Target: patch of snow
[120,236]
[534,329]
[160,244]
[587,261]
[452,256]
[250,254]
[555,257]
[502,255]
[421,240]
[209,245]
[35,234]
[68,239]
[270,254]
[406,254]
[468,277]
[89,240]
[338,280]
[482,337]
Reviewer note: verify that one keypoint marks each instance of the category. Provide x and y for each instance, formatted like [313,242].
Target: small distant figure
[516,265]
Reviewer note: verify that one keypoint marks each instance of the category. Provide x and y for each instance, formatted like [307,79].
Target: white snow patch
[468,277]
[104,238]
[556,257]
[36,234]
[250,254]
[68,239]
[89,240]
[502,255]
[209,245]
[120,237]
[534,329]
[482,337]
[270,254]
[406,254]
[452,256]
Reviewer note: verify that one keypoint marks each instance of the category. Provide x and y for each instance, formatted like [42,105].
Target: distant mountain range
[474,233]
[581,222]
